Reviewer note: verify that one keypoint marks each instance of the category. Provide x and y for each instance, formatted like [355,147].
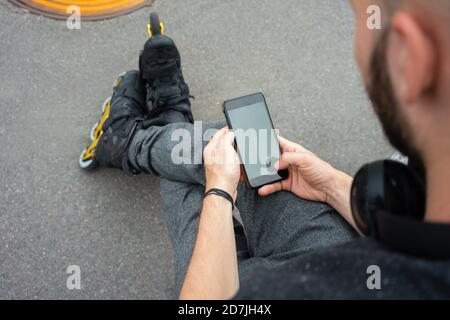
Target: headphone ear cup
[386,186]
[358,200]
[405,194]
[367,195]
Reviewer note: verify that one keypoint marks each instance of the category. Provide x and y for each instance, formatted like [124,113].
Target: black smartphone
[256,139]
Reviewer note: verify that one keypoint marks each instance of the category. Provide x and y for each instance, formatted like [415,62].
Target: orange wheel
[89,9]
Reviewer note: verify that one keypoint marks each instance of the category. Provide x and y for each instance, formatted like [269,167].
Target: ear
[411,57]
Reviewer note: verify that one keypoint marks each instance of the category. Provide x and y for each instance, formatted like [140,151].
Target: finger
[224,129]
[285,144]
[229,138]
[269,189]
[288,159]
[226,138]
[289,146]
[217,136]
[227,145]
[221,132]
[283,141]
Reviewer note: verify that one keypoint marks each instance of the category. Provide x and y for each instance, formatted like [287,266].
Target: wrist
[218,201]
[338,192]
[220,193]
[221,186]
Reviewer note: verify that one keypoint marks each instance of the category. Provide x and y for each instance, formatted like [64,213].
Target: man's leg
[158,150]
[282,225]
[277,228]
[182,205]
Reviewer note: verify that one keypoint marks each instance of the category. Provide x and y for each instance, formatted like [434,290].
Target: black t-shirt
[347,272]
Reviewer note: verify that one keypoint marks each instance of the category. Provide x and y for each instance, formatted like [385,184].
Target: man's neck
[438,190]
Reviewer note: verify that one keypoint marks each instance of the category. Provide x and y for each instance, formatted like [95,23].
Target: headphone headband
[430,240]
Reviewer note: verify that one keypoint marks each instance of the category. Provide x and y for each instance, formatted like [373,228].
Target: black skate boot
[167,94]
[122,116]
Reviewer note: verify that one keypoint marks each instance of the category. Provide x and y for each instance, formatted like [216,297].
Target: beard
[382,94]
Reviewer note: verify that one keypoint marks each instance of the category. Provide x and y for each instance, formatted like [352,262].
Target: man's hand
[312,179]
[222,167]
[309,176]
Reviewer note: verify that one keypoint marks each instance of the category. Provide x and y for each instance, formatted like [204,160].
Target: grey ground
[53,81]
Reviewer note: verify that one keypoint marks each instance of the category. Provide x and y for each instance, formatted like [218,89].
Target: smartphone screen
[256,139]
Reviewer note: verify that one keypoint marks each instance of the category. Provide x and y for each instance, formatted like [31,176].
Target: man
[298,240]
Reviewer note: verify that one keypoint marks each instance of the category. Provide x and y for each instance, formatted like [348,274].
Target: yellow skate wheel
[93,131]
[96,130]
[105,104]
[155,26]
[87,163]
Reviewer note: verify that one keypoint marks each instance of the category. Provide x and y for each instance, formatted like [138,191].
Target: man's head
[406,69]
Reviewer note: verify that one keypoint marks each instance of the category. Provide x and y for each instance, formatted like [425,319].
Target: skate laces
[163,95]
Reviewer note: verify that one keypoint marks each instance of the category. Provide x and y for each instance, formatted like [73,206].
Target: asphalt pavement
[53,81]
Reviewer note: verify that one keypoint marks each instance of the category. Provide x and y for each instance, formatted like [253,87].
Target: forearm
[338,196]
[213,272]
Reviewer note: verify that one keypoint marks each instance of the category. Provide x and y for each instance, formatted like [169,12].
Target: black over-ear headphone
[388,203]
